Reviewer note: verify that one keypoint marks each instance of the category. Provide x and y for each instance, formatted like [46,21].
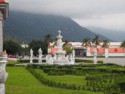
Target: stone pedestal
[60,57]
[95,56]
[3,56]
[3,74]
[31,56]
[106,52]
[40,56]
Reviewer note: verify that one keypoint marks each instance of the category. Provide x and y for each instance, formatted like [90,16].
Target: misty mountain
[111,34]
[27,26]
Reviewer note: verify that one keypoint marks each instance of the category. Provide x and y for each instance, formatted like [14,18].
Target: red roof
[116,50]
[110,50]
[99,50]
[2,0]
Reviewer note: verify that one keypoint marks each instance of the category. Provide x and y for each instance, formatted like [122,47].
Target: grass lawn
[20,81]
[69,79]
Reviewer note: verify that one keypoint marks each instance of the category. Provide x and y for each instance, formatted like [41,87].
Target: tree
[35,45]
[86,42]
[123,45]
[48,38]
[12,47]
[105,44]
[96,40]
[43,44]
[68,49]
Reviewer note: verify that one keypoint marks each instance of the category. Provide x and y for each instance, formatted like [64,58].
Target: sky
[107,14]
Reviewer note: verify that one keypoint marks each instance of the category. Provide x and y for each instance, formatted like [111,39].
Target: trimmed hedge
[87,61]
[27,61]
[11,63]
[107,78]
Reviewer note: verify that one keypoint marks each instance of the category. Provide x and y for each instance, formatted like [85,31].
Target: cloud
[110,13]
[114,22]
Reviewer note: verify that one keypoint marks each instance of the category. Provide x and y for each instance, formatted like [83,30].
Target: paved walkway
[119,61]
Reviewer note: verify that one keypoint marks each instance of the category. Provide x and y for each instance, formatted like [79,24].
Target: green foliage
[68,49]
[27,61]
[86,42]
[123,44]
[107,78]
[12,47]
[87,61]
[23,82]
[43,44]
[96,40]
[35,45]
[11,63]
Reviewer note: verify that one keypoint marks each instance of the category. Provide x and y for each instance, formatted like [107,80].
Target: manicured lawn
[69,79]
[20,81]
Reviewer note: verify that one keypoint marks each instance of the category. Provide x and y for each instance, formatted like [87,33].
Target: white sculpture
[106,52]
[73,53]
[40,55]
[95,56]
[31,56]
[60,55]
[3,74]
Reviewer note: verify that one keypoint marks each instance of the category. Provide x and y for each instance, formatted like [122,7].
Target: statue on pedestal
[95,56]
[3,74]
[31,56]
[40,55]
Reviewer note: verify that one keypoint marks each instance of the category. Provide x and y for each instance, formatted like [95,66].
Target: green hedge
[11,63]
[109,80]
[87,61]
[27,61]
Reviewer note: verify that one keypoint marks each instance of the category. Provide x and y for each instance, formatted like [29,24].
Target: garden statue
[3,74]
[31,56]
[4,10]
[40,55]
[95,56]
[60,55]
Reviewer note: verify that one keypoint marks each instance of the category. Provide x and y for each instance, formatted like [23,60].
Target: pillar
[1,32]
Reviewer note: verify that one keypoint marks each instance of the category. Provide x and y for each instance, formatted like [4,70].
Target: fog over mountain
[27,26]
[111,34]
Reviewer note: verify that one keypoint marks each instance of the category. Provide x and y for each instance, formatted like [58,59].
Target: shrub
[11,63]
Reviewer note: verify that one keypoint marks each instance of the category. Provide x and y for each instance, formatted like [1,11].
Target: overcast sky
[108,14]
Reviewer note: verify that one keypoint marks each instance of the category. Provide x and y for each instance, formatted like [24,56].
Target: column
[1,33]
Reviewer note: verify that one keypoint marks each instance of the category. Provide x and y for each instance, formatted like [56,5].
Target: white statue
[59,41]
[95,55]
[31,56]
[73,53]
[40,55]
[3,74]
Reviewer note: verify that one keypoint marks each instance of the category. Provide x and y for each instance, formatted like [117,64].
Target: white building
[114,49]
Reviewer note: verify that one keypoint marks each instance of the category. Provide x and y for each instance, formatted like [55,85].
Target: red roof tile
[110,50]
[2,0]
[116,50]
[99,50]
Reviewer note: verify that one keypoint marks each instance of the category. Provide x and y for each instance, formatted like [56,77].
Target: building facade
[114,50]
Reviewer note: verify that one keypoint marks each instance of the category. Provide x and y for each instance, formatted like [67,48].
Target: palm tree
[96,40]
[96,43]
[106,46]
[86,42]
[123,45]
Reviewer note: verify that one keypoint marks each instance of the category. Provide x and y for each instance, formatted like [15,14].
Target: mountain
[112,34]
[27,26]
